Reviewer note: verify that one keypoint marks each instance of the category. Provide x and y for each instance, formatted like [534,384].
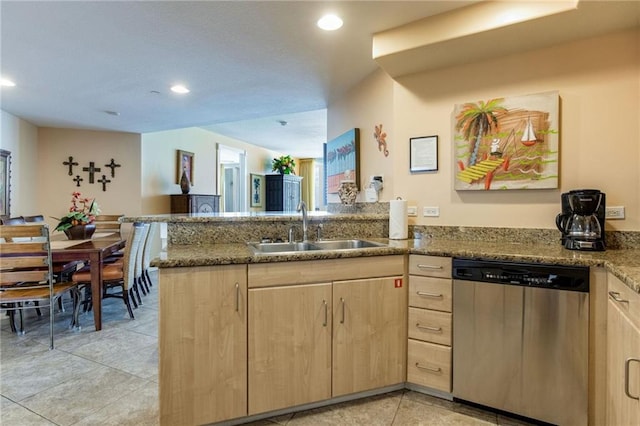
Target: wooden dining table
[93,251]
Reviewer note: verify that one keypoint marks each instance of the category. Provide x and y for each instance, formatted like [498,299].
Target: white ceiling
[249,64]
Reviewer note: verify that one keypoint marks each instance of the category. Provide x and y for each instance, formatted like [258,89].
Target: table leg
[95,267]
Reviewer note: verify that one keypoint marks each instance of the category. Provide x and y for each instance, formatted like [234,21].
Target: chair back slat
[26,276]
[34,247]
[108,222]
[21,262]
[9,232]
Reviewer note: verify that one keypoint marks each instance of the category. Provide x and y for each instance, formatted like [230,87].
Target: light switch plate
[412,211]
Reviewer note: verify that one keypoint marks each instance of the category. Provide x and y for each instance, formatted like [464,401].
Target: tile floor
[111,378]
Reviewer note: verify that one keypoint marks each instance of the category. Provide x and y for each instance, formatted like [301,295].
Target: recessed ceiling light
[6,82]
[330,22]
[179,88]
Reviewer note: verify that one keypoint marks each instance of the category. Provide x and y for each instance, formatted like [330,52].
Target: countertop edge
[624,264]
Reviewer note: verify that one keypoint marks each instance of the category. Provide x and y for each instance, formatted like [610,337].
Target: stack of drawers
[430,322]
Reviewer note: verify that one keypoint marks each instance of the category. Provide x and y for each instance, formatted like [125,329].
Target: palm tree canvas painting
[507,143]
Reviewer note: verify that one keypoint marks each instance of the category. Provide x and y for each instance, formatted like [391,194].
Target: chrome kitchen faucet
[302,207]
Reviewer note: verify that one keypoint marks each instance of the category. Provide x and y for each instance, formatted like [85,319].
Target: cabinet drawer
[430,266]
[430,293]
[430,326]
[628,300]
[429,365]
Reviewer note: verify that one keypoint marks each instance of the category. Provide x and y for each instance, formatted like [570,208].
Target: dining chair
[33,219]
[18,220]
[26,281]
[140,284]
[146,255]
[117,274]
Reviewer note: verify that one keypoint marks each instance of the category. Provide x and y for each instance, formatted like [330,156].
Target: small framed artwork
[257,190]
[423,154]
[5,182]
[342,160]
[185,162]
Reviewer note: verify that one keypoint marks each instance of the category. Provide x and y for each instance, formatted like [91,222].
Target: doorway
[232,181]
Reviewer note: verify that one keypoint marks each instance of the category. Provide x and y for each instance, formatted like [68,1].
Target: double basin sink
[280,248]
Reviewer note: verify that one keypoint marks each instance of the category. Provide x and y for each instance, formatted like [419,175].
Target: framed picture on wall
[5,182]
[423,154]
[257,190]
[342,160]
[185,162]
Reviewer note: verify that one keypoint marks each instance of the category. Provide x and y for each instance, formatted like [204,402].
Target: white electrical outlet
[412,211]
[431,211]
[614,212]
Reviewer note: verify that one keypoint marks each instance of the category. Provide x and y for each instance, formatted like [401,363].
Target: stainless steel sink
[264,248]
[279,248]
[344,244]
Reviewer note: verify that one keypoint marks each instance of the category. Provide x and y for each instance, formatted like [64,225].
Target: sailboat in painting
[528,135]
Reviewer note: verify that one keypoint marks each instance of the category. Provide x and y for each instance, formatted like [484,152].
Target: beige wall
[159,166]
[140,186]
[55,185]
[599,85]
[368,105]
[159,175]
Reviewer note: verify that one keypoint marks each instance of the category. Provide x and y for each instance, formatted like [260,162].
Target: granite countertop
[624,263]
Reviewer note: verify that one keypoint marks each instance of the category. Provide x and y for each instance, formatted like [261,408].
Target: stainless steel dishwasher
[520,338]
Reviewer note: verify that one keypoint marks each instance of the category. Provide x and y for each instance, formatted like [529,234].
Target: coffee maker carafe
[582,219]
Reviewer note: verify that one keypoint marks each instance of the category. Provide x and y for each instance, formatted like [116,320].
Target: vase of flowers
[78,223]
[283,165]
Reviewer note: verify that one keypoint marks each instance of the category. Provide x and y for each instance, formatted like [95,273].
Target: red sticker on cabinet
[397,283]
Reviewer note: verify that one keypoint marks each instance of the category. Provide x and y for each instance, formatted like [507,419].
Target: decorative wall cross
[104,181]
[93,172]
[91,169]
[70,163]
[113,166]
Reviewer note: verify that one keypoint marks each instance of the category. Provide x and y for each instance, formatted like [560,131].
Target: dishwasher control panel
[561,277]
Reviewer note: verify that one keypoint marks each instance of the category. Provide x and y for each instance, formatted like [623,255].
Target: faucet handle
[292,234]
[319,231]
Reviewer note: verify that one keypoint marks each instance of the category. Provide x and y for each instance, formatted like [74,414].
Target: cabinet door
[623,368]
[291,194]
[289,346]
[369,334]
[203,344]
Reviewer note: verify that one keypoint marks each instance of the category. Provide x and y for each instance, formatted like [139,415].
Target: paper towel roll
[398,221]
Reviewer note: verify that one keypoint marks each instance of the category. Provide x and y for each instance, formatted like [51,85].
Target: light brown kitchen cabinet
[430,322]
[369,345]
[290,346]
[325,328]
[623,354]
[203,344]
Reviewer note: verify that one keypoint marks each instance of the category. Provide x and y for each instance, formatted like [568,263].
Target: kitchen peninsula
[227,315]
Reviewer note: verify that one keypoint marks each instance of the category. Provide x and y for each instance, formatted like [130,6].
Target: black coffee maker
[582,219]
